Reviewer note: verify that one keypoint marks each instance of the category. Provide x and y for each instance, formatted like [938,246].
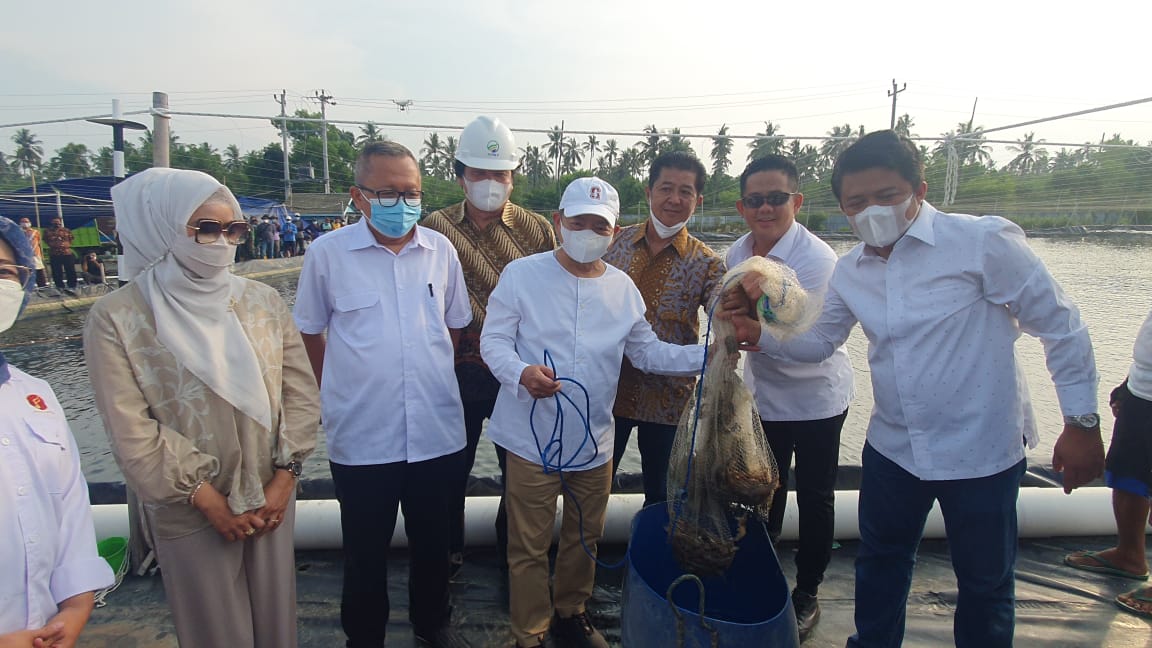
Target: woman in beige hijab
[209,401]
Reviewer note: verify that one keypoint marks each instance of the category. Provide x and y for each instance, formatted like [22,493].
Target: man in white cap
[558,326]
[488,231]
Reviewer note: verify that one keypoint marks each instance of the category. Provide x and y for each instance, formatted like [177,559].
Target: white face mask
[881,225]
[203,261]
[662,230]
[584,246]
[11,299]
[487,195]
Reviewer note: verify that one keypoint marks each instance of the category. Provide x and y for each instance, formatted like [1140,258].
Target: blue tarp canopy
[82,200]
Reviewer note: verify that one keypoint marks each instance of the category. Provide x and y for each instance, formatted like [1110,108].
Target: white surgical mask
[203,261]
[11,299]
[487,195]
[584,246]
[882,225]
[662,230]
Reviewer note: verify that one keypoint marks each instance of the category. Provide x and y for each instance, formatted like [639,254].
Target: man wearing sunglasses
[391,296]
[802,405]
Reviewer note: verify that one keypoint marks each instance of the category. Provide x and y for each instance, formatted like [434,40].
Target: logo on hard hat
[594,193]
[493,147]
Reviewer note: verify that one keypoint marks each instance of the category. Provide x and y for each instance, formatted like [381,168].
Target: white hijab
[191,300]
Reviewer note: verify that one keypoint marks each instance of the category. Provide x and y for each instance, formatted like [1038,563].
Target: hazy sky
[595,64]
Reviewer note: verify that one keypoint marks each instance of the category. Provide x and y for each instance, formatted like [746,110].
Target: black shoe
[807,609]
[443,637]
[576,632]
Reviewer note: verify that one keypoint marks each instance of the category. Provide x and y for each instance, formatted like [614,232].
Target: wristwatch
[1086,421]
[294,467]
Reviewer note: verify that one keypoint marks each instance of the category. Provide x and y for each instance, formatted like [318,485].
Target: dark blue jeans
[655,443]
[980,520]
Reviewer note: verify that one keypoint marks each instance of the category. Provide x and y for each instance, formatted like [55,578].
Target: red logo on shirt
[37,402]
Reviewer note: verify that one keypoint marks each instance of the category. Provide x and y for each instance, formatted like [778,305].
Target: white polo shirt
[798,391]
[587,326]
[389,388]
[942,315]
[47,541]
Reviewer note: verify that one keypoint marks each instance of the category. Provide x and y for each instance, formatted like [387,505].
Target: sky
[596,65]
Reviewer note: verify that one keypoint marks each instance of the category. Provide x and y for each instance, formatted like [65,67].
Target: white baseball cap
[591,196]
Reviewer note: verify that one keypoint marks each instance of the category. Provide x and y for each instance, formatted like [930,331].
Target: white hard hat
[486,143]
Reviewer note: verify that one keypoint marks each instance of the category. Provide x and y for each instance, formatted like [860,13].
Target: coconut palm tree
[677,142]
[71,161]
[571,158]
[432,153]
[534,165]
[840,138]
[29,151]
[721,151]
[611,155]
[904,125]
[650,146]
[447,161]
[767,142]
[1028,156]
[632,162]
[968,142]
[369,132]
[555,148]
[591,147]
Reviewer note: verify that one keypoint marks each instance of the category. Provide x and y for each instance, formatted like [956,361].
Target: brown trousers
[232,593]
[530,496]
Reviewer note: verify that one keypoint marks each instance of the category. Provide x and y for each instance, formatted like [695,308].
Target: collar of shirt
[921,229]
[679,241]
[784,250]
[361,237]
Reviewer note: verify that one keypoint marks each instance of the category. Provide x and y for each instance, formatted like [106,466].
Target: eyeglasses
[774,199]
[208,231]
[389,197]
[18,273]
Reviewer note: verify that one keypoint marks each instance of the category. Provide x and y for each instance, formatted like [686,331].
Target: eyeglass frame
[769,199]
[223,231]
[395,200]
[31,272]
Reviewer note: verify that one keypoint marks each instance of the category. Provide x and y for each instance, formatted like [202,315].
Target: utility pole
[282,98]
[161,133]
[324,100]
[892,93]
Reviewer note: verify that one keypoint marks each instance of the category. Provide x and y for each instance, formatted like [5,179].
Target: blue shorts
[1129,463]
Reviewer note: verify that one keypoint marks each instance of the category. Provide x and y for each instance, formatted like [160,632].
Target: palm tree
[555,147]
[534,165]
[632,162]
[432,153]
[611,155]
[650,146]
[767,142]
[4,167]
[840,138]
[1028,158]
[71,161]
[447,160]
[677,142]
[369,132]
[904,125]
[29,152]
[571,158]
[968,142]
[721,151]
[232,158]
[591,147]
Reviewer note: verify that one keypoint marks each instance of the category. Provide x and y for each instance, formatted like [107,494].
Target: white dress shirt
[587,325]
[942,315]
[1140,375]
[47,541]
[389,389]
[798,391]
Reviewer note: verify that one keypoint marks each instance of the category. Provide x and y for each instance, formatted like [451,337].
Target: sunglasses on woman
[209,231]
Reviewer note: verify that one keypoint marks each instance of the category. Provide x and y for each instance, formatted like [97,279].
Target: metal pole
[160,133]
[35,196]
[325,98]
[284,143]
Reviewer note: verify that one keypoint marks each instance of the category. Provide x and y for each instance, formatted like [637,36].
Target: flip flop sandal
[1102,566]
[1142,595]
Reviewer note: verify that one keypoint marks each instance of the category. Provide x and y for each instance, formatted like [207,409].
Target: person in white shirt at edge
[391,296]
[587,315]
[942,298]
[802,405]
[49,566]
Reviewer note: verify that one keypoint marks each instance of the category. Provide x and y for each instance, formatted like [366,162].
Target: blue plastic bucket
[746,607]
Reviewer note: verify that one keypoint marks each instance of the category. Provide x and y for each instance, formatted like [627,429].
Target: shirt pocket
[358,317]
[49,451]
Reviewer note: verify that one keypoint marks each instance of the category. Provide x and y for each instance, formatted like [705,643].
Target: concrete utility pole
[284,142]
[161,156]
[324,100]
[892,93]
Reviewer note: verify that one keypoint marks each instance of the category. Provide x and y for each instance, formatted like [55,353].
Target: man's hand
[39,638]
[277,493]
[63,630]
[1079,454]
[215,507]
[540,381]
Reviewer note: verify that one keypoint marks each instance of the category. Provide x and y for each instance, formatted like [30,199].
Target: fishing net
[721,470]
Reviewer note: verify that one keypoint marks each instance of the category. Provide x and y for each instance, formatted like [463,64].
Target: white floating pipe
[1041,512]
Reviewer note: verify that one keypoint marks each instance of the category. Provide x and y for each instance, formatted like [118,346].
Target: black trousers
[475,412]
[61,265]
[816,445]
[369,497]
[655,443]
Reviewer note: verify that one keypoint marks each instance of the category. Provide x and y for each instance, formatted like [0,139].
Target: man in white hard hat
[488,232]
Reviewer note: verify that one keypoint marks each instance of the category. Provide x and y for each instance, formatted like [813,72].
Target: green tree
[611,156]
[649,147]
[721,151]
[677,142]
[1028,156]
[839,139]
[29,151]
[570,156]
[432,155]
[370,132]
[71,161]
[767,142]
[969,144]
[904,125]
[199,157]
[591,147]
[632,163]
[534,165]
[555,148]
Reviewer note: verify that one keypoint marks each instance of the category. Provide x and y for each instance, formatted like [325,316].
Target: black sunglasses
[775,199]
[209,231]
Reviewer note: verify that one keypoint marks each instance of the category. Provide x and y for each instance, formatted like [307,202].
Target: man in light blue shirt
[942,299]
